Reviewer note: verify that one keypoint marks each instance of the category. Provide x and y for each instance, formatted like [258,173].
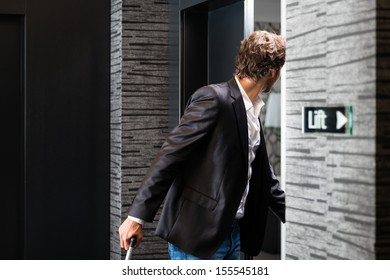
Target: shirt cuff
[137,220]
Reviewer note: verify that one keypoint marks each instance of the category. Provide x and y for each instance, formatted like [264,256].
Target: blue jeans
[229,249]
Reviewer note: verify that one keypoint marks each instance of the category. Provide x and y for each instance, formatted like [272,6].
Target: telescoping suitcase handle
[131,248]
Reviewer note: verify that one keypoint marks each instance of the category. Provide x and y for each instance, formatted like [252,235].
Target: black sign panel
[330,120]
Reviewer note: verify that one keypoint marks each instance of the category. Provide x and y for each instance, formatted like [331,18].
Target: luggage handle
[131,248]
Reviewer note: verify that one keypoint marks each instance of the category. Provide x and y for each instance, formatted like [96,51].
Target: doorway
[267,16]
[205,26]
[211,32]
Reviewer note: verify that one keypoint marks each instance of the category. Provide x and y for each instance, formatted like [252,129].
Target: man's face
[271,81]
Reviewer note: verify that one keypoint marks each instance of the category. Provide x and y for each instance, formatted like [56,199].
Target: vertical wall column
[139,108]
[116,127]
[337,192]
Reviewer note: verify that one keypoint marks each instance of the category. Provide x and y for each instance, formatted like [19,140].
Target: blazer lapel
[241,120]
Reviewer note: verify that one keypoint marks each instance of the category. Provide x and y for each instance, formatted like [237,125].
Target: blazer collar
[235,91]
[241,119]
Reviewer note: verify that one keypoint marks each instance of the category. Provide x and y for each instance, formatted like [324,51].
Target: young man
[213,168]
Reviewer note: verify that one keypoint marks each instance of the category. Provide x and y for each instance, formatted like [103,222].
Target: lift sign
[330,120]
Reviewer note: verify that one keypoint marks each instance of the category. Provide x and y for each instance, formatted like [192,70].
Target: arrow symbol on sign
[341,120]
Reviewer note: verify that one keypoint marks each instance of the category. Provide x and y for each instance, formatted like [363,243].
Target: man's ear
[271,73]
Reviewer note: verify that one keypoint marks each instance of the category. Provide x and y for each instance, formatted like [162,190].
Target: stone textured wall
[144,103]
[139,109]
[116,127]
[331,180]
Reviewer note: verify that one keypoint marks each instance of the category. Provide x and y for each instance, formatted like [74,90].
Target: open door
[211,32]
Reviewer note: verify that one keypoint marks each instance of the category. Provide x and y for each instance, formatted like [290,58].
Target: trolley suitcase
[131,249]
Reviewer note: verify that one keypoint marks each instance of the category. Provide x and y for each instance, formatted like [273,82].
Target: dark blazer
[202,171]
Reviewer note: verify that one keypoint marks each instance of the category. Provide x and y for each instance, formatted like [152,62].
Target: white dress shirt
[252,115]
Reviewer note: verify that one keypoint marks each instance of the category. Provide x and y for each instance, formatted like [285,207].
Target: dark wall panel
[67,129]
[11,140]
[13,7]
[382,232]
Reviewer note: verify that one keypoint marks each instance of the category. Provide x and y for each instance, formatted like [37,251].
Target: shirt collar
[257,104]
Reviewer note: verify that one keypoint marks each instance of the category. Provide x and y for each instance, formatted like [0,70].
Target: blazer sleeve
[198,120]
[278,198]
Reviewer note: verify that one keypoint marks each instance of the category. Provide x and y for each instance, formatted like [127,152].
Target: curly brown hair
[259,53]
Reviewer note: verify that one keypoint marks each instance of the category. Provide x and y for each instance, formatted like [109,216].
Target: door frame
[283,128]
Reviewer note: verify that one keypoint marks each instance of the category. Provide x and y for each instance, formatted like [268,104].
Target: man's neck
[252,88]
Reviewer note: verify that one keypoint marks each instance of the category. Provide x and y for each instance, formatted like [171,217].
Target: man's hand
[127,230]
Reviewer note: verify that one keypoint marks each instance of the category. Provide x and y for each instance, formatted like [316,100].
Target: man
[213,168]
